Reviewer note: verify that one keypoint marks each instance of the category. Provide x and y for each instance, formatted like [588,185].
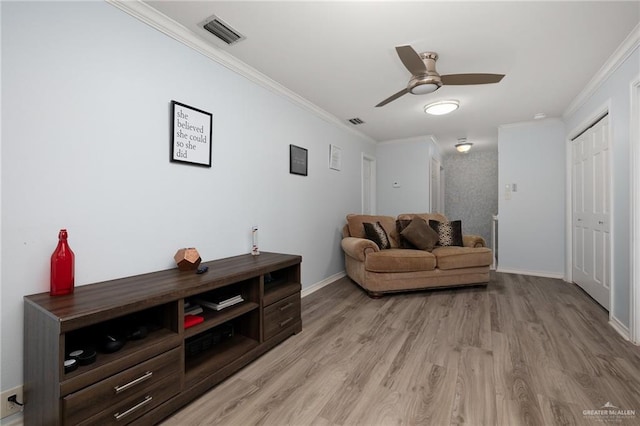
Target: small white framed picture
[335,157]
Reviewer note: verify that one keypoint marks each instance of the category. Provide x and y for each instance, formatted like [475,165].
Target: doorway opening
[368,184]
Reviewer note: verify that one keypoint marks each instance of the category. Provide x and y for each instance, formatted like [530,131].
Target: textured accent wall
[471,190]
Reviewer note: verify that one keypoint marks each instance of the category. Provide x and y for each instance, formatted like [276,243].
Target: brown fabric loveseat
[401,269]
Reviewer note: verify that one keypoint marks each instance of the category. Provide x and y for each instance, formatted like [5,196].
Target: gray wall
[532,219]
[407,162]
[86,91]
[471,190]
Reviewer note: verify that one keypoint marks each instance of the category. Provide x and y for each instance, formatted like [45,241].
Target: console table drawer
[132,408]
[281,315]
[122,391]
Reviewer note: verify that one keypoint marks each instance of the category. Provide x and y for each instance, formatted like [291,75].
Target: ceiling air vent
[222,30]
[356,121]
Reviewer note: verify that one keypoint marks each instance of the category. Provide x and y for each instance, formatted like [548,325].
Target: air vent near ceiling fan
[356,121]
[222,30]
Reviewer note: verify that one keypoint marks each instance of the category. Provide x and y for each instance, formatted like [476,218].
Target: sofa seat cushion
[400,260]
[462,257]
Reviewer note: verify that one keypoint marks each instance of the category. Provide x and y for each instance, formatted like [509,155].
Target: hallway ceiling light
[442,107]
[463,146]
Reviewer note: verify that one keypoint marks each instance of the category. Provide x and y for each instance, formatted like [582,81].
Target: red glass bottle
[62,267]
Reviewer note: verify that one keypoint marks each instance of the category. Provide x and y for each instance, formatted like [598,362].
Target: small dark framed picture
[297,160]
[191,132]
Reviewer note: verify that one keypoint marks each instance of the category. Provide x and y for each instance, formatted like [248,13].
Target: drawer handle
[140,379]
[285,307]
[147,399]
[285,322]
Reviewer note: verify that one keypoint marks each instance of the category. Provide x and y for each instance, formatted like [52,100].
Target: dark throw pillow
[403,243]
[449,233]
[420,234]
[376,233]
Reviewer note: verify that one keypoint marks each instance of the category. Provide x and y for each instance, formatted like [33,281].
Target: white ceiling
[340,56]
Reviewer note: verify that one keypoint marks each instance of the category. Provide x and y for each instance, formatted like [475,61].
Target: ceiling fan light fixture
[463,146]
[442,107]
[423,89]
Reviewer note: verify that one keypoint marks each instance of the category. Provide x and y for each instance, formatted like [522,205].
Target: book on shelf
[221,304]
[193,310]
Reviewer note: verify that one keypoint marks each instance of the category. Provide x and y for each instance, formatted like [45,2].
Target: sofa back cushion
[355,223]
[426,216]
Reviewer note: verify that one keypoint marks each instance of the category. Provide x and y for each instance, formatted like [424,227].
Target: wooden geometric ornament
[187,259]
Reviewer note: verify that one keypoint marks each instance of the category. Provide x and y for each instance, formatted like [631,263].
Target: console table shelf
[163,368]
[214,318]
[201,366]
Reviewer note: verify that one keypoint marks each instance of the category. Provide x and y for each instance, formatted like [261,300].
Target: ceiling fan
[425,78]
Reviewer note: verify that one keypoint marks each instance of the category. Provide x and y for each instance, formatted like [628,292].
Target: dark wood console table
[150,377]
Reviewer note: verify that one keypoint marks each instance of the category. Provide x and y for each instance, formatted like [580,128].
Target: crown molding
[618,57]
[548,120]
[173,29]
[411,139]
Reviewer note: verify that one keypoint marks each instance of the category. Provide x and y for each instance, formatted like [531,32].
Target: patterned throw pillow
[449,233]
[376,233]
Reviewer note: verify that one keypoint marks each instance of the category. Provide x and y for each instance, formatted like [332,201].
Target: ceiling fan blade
[393,97]
[464,79]
[411,60]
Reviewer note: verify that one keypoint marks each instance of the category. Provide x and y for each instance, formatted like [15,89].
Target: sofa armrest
[473,241]
[358,247]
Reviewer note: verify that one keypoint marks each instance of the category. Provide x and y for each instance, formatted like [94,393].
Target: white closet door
[591,212]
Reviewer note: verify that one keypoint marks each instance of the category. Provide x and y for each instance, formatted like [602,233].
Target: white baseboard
[543,274]
[317,286]
[14,420]
[622,329]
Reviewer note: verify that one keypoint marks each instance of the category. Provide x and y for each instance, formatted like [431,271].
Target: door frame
[442,186]
[634,143]
[435,185]
[373,184]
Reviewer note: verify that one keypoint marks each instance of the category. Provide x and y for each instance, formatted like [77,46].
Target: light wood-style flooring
[522,351]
